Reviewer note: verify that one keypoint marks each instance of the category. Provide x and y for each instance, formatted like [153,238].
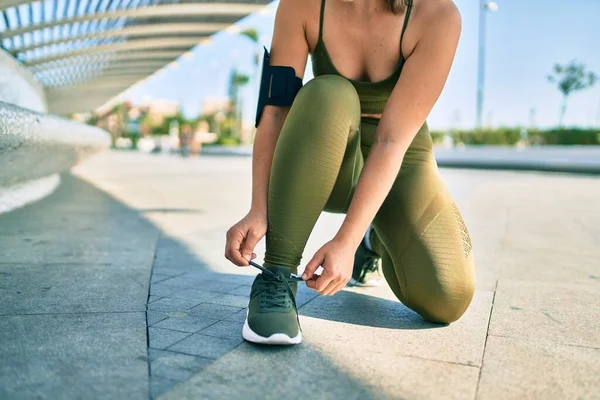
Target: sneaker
[367,265]
[272,316]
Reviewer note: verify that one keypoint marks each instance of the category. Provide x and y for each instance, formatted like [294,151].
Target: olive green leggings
[418,231]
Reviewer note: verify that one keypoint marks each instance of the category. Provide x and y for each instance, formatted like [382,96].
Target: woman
[355,141]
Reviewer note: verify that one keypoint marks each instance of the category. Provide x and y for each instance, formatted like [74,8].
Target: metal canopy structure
[85,52]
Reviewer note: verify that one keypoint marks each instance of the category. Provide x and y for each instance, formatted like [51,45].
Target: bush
[570,137]
[227,141]
[512,136]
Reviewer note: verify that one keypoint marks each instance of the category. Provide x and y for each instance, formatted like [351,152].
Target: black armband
[278,86]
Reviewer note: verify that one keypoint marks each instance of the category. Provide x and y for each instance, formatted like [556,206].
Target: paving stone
[558,313]
[156,289]
[158,277]
[185,323]
[228,300]
[216,311]
[177,367]
[238,316]
[192,294]
[225,329]
[49,288]
[527,369]
[163,338]
[73,356]
[205,346]
[168,304]
[243,290]
[218,286]
[159,385]
[236,278]
[152,299]
[303,297]
[155,316]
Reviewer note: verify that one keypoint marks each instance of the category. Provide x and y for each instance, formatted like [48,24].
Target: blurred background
[525,76]
[525,72]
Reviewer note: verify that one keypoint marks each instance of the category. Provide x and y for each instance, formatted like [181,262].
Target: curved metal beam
[6,4]
[109,56]
[148,29]
[81,79]
[71,70]
[84,78]
[129,45]
[165,10]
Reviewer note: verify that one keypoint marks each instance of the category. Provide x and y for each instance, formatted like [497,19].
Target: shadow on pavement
[75,273]
[361,309]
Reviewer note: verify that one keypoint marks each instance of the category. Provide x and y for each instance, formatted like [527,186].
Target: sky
[525,38]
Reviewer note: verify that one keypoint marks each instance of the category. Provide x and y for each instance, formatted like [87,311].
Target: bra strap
[321,20]
[406,18]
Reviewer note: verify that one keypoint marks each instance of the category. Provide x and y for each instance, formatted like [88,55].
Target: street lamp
[485,6]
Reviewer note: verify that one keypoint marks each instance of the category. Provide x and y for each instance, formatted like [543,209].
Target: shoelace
[275,297]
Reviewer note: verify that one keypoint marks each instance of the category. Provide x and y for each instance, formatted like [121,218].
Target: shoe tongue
[285,270]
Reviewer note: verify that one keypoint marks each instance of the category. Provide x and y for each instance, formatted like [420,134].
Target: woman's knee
[329,93]
[446,309]
[445,305]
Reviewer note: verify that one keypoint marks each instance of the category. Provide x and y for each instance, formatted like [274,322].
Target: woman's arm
[288,48]
[418,88]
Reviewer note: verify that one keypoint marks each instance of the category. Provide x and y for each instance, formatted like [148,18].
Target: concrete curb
[520,166]
[28,192]
[34,147]
[567,159]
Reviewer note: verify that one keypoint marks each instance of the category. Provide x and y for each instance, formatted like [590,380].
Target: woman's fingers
[232,250]
[250,242]
[312,266]
[330,289]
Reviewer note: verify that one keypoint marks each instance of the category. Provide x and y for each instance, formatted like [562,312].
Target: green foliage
[571,137]
[251,34]
[572,77]
[227,141]
[512,136]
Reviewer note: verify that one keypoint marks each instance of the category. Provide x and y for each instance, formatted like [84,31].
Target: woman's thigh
[429,262]
[426,249]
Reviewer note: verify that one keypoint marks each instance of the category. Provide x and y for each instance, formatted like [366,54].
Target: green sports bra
[373,95]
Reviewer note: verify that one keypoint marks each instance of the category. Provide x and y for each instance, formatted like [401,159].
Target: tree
[252,34]
[570,78]
[236,81]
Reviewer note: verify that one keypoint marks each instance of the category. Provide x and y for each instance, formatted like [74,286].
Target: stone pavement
[116,287]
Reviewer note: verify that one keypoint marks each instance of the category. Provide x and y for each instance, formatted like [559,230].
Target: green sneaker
[272,317]
[367,266]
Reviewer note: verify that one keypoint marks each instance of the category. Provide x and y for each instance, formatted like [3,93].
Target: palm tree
[570,78]
[252,35]
[236,81]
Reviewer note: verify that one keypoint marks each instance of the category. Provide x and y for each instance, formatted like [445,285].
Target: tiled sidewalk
[119,290]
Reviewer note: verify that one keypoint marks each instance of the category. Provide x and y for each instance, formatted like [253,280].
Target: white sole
[354,282]
[275,339]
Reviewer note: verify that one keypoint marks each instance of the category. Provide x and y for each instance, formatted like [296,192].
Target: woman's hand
[337,259]
[243,237]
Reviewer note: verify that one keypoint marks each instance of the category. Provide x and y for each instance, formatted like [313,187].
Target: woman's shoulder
[435,11]
[299,8]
